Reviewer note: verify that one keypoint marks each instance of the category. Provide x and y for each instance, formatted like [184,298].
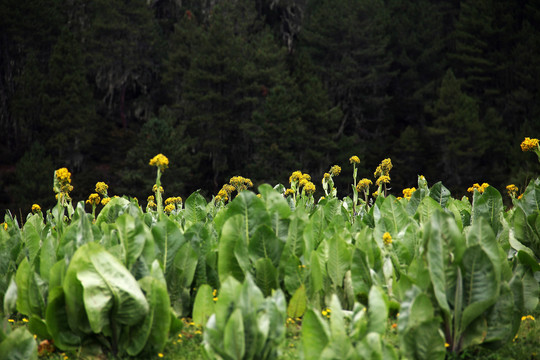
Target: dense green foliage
[262,87]
[452,273]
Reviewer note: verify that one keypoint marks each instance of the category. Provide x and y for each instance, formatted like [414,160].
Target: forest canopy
[261,88]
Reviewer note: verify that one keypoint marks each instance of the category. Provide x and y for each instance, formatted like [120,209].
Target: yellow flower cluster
[385,179]
[93,199]
[288,192]
[169,209]
[151,202]
[105,201]
[387,238]
[295,176]
[173,200]
[240,183]
[309,188]
[326,312]
[335,170]
[407,192]
[36,208]
[155,188]
[512,190]
[478,187]
[160,161]
[527,317]
[384,168]
[529,144]
[354,159]
[214,295]
[326,176]
[363,185]
[62,183]
[222,195]
[4,226]
[101,188]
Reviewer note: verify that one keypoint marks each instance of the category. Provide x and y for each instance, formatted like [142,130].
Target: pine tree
[68,115]
[457,134]
[347,42]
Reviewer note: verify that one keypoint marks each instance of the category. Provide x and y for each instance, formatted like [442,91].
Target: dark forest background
[260,88]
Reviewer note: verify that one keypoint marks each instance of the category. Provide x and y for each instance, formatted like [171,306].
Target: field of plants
[275,273]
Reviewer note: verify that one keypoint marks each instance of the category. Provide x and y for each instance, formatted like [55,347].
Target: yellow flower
[63,175]
[240,183]
[169,209]
[383,179]
[363,185]
[478,187]
[154,189]
[354,159]
[528,317]
[160,161]
[151,198]
[446,345]
[326,176]
[375,194]
[105,201]
[36,208]
[407,193]
[4,225]
[160,355]
[305,177]
[384,168]
[512,190]
[101,188]
[529,144]
[93,199]
[309,188]
[25,320]
[295,176]
[335,170]
[11,320]
[303,182]
[288,192]
[326,312]
[387,238]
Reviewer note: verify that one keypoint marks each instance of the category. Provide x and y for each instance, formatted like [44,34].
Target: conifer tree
[457,134]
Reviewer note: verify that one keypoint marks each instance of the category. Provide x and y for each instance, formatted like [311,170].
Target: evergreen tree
[347,42]
[457,134]
[68,114]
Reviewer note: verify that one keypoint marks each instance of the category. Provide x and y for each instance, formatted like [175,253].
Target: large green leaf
[57,321]
[100,292]
[295,240]
[195,209]
[168,238]
[266,276]
[480,284]
[151,333]
[489,206]
[339,259]
[298,303]
[133,234]
[445,245]
[377,310]
[47,257]
[253,212]
[31,291]
[424,342]
[440,194]
[394,217]
[265,244]
[427,207]
[18,345]
[233,336]
[110,212]
[32,240]
[503,319]
[315,335]
[231,234]
[204,304]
